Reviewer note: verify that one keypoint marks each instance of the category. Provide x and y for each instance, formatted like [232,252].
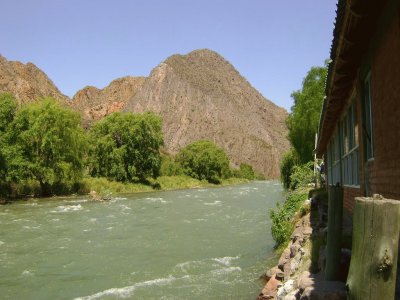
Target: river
[188,244]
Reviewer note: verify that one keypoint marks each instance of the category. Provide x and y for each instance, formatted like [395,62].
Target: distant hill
[202,96]
[26,82]
[199,96]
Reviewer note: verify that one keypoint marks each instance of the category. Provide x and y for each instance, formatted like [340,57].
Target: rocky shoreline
[291,278]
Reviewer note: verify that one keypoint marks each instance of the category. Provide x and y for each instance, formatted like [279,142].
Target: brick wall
[383,173]
[349,193]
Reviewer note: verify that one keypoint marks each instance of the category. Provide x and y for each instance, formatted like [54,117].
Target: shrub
[283,217]
[245,171]
[170,167]
[302,175]
[204,160]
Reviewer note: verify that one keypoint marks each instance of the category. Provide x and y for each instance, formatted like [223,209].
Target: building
[359,131]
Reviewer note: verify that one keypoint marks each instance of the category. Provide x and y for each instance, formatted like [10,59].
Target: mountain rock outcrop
[199,96]
[27,82]
[202,96]
[96,103]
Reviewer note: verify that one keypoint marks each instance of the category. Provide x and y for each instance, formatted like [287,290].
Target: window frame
[368,132]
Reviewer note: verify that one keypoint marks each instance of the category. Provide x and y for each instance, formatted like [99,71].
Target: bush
[289,161]
[245,171]
[283,217]
[302,175]
[204,160]
[170,167]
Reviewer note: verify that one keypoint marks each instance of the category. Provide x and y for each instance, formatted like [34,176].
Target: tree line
[44,143]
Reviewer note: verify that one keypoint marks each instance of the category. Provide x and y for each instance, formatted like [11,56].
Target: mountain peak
[27,82]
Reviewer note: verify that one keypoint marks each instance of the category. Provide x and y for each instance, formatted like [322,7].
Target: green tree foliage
[304,117]
[126,147]
[289,161]
[169,166]
[245,171]
[8,109]
[46,143]
[204,160]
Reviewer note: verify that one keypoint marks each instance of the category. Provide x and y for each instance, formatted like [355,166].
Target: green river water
[188,244]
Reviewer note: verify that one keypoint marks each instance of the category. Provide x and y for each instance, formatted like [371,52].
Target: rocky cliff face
[202,96]
[199,96]
[27,82]
[95,103]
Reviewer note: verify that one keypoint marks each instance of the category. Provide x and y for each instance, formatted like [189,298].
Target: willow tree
[126,147]
[304,117]
[45,143]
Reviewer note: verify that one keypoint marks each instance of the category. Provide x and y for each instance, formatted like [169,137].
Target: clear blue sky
[91,42]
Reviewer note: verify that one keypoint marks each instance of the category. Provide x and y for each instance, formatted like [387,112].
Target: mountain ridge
[199,95]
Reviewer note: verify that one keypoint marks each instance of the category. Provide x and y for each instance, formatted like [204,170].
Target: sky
[273,44]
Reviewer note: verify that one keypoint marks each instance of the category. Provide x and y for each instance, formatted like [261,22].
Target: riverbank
[104,187]
[300,272]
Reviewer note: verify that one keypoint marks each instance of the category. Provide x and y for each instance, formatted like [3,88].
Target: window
[342,154]
[349,131]
[368,134]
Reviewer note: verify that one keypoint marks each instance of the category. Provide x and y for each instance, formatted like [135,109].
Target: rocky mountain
[96,103]
[26,82]
[201,96]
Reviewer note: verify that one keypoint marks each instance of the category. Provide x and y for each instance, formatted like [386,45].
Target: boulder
[269,291]
[288,287]
[285,257]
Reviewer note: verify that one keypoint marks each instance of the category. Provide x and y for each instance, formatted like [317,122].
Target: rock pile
[291,280]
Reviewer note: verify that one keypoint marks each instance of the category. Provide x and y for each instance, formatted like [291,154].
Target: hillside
[96,103]
[26,82]
[202,96]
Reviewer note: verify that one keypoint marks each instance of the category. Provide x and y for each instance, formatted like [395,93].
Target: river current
[189,244]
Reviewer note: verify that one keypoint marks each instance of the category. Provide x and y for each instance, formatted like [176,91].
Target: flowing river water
[189,244]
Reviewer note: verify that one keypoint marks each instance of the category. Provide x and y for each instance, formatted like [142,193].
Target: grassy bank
[286,214]
[104,186]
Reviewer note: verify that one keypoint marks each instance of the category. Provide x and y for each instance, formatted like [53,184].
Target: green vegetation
[283,217]
[204,160]
[289,161]
[44,142]
[126,147]
[304,117]
[302,176]
[297,166]
[45,151]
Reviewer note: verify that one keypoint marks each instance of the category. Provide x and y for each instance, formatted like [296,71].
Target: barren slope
[27,82]
[95,103]
[202,96]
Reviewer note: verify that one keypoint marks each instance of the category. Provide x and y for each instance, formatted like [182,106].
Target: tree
[245,171]
[46,143]
[304,117]
[8,108]
[126,147]
[204,160]
[289,161]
